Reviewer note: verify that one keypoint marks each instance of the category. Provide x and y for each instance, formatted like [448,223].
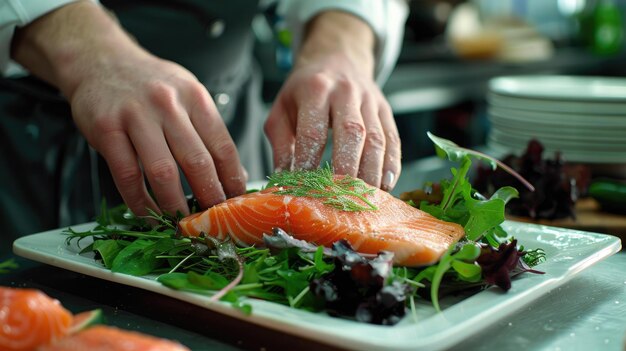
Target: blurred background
[452,48]
[451,51]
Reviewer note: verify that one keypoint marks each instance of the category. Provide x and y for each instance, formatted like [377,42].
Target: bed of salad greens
[337,280]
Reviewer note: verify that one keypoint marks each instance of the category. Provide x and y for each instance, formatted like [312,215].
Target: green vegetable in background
[610,194]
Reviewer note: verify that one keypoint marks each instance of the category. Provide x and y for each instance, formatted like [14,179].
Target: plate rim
[506,85]
[545,105]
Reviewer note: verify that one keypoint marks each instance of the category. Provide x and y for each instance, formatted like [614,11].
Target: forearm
[61,46]
[336,33]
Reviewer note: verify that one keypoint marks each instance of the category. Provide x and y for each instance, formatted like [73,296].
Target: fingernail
[246,177]
[388,180]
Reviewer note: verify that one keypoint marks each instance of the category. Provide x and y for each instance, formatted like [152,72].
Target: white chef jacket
[385,17]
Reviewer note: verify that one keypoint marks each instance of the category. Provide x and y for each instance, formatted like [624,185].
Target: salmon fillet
[415,237]
[103,338]
[29,318]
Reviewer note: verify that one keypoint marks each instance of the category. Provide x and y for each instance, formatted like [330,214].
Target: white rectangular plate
[568,252]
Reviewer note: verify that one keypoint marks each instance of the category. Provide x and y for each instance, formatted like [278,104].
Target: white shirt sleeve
[385,17]
[18,13]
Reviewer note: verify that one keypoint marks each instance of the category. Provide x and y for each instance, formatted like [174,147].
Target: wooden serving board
[589,217]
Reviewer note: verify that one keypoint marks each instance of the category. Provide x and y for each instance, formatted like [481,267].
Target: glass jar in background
[545,16]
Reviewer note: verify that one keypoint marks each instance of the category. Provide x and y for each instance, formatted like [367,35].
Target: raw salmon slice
[103,338]
[415,237]
[29,318]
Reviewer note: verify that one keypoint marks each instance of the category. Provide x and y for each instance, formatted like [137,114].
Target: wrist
[68,45]
[338,36]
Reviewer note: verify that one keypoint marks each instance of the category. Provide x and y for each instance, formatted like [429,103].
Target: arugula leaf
[206,284]
[462,262]
[320,265]
[236,302]
[294,283]
[140,257]
[444,264]
[468,271]
[484,215]
[108,250]
[208,280]
[461,205]
[179,281]
[447,149]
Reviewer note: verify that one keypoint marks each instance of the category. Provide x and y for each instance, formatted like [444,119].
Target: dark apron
[50,177]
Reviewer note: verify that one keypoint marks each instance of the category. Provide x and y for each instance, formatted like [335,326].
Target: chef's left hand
[332,86]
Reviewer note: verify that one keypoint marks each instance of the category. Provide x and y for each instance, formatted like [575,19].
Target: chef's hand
[332,86]
[146,116]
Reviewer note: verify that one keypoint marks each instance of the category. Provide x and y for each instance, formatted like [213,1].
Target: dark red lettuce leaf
[557,183]
[359,287]
[501,264]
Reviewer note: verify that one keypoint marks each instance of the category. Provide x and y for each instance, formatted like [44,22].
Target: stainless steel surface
[588,313]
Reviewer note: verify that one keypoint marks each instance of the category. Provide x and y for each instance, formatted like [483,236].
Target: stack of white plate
[584,118]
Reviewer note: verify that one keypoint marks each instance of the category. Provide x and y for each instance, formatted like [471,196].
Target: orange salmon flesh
[29,318]
[415,237]
[104,338]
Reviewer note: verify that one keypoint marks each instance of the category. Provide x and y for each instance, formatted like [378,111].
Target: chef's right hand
[146,116]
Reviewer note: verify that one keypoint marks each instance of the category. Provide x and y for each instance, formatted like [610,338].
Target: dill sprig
[343,193]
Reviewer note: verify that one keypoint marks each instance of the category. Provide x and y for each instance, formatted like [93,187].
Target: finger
[159,165]
[311,136]
[393,154]
[213,132]
[281,135]
[122,161]
[312,122]
[372,159]
[195,161]
[348,132]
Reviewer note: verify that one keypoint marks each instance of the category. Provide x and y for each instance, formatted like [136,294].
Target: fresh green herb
[460,204]
[7,266]
[462,262]
[344,193]
[119,223]
[203,265]
[301,275]
[481,219]
[447,149]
